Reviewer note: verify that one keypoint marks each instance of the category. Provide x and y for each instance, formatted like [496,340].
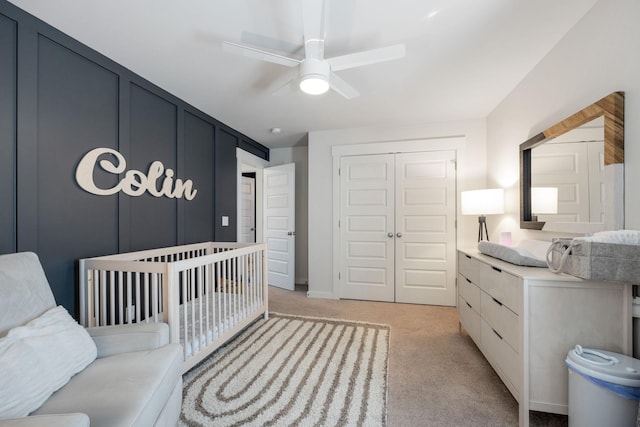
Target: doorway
[397,235]
[274,213]
[247,211]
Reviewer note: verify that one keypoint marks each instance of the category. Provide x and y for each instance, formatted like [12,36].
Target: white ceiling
[463,56]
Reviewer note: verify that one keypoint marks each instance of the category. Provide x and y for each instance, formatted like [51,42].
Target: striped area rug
[292,371]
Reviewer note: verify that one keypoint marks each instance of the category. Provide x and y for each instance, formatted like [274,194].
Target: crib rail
[205,292]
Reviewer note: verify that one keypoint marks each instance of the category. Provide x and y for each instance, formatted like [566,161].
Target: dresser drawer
[501,319]
[468,267]
[500,354]
[470,319]
[470,291]
[501,285]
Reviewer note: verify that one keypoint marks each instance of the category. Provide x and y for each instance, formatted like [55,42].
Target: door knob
[399,235]
[389,234]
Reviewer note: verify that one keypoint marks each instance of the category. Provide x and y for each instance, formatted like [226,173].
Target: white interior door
[397,227]
[279,224]
[247,210]
[425,241]
[367,227]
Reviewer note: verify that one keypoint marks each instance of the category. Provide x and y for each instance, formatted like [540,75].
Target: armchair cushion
[128,389]
[40,357]
[112,340]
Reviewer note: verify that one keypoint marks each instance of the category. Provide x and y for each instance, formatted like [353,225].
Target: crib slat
[112,296]
[185,323]
[103,298]
[197,274]
[128,303]
[137,300]
[154,296]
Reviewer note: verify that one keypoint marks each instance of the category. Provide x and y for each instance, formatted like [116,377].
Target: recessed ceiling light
[275,131]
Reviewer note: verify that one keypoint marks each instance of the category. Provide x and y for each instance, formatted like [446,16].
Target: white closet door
[367,227]
[425,228]
[279,223]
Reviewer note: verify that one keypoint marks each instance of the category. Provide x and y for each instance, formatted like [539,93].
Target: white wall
[600,55]
[471,175]
[299,156]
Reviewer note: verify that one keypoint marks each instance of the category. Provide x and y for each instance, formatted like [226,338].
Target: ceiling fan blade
[288,88]
[260,41]
[286,83]
[367,57]
[260,54]
[342,87]
[313,21]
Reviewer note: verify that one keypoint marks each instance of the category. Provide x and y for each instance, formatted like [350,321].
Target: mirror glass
[583,158]
[574,164]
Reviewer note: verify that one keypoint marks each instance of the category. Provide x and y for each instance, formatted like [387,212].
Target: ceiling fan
[317,73]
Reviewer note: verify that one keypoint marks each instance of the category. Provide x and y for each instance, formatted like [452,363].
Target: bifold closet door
[367,227]
[425,243]
[397,227]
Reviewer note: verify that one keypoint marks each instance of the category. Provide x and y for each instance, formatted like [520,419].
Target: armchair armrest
[118,339]
[53,420]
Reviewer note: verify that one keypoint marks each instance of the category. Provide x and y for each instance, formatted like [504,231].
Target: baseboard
[322,295]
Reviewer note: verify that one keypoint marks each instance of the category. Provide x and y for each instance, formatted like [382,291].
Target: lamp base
[482,228]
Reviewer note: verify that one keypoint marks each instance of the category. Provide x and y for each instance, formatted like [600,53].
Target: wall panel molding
[8,134]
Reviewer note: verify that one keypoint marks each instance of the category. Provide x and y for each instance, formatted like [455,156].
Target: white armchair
[117,376]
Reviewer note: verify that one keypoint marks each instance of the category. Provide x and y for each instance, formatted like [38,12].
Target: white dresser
[526,319]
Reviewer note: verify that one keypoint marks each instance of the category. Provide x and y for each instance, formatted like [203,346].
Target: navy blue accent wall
[198,157]
[68,100]
[8,116]
[153,133]
[225,165]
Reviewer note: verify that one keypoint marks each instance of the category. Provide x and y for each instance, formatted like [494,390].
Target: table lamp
[544,200]
[481,203]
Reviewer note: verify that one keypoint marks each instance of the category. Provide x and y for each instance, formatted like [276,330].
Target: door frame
[247,162]
[247,178]
[455,143]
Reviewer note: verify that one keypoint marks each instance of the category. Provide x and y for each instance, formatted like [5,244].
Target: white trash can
[604,388]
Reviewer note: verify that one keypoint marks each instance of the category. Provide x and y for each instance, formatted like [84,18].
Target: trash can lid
[605,365]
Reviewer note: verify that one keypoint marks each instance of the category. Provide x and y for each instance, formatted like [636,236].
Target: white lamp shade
[482,202]
[544,200]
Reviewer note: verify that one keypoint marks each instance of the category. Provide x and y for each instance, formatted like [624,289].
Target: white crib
[206,292]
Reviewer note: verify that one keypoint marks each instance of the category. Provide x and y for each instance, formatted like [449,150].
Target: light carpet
[292,370]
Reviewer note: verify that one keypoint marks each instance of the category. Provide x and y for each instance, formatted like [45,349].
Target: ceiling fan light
[314,84]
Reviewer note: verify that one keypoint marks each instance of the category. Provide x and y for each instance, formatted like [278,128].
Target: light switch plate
[225,221]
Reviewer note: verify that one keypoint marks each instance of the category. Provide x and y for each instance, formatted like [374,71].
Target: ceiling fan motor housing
[314,76]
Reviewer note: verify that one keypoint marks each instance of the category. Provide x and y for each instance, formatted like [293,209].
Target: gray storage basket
[595,260]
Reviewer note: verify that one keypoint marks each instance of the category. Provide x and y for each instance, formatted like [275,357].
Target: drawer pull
[497,302]
[497,269]
[469,305]
[497,334]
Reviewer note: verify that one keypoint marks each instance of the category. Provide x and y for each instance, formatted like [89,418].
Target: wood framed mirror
[608,114]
